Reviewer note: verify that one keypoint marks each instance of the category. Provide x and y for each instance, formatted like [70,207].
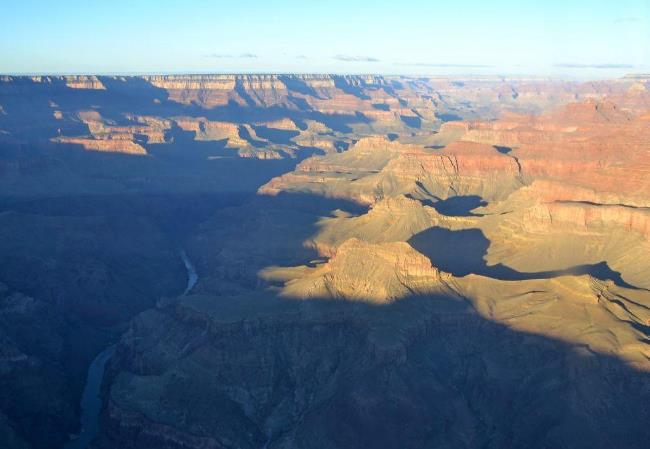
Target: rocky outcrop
[378,273]
[112,145]
[376,167]
[83,82]
[392,219]
[212,130]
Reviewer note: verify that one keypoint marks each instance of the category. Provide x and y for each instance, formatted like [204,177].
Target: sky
[573,38]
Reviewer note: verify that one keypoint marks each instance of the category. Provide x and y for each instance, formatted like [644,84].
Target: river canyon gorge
[324,261]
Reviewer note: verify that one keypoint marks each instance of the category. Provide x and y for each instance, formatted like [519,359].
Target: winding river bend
[91,402]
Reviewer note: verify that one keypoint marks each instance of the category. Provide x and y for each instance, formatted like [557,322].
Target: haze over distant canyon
[324,261]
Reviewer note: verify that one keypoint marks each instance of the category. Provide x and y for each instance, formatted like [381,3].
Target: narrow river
[91,402]
[192,277]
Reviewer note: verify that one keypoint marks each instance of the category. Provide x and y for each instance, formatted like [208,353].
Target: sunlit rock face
[382,261]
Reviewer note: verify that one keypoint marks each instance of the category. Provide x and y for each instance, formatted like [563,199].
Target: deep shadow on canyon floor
[463,252]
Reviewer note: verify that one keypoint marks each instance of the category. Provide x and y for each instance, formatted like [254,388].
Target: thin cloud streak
[594,66]
[427,64]
[223,56]
[349,58]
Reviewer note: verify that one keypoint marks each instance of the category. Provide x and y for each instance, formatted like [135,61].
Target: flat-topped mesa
[106,136]
[124,146]
[461,168]
[375,168]
[205,129]
[284,124]
[152,128]
[369,272]
[84,82]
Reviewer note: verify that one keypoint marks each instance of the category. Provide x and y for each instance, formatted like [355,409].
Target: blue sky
[595,38]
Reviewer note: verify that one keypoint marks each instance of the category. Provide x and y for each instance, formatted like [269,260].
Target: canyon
[367,261]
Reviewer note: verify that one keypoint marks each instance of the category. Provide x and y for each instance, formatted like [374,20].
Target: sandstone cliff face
[592,146]
[83,82]
[589,216]
[195,88]
[396,271]
[265,90]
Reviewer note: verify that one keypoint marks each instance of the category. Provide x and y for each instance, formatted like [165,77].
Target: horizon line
[360,74]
